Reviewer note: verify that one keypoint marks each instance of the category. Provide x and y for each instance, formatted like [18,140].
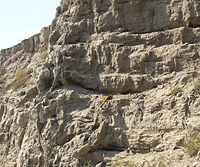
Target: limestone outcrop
[108,83]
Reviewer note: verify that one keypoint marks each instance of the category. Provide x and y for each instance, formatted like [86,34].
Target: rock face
[98,86]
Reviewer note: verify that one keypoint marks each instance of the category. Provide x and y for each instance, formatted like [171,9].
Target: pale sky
[21,19]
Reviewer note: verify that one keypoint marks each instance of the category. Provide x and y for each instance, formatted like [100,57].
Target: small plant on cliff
[21,77]
[176,90]
[192,144]
[2,83]
[88,164]
[125,164]
[2,80]
[156,162]
[159,162]
[43,55]
[197,85]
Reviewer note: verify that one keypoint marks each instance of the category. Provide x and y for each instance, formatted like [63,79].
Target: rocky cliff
[108,83]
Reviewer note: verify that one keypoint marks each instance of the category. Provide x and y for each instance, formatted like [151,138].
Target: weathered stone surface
[99,86]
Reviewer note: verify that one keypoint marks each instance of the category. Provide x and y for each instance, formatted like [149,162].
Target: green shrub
[192,144]
[176,90]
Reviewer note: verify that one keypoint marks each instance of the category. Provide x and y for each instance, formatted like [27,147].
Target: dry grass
[156,162]
[2,80]
[1,92]
[43,56]
[192,144]
[107,98]
[21,77]
[197,85]
[125,164]
[2,84]
[176,90]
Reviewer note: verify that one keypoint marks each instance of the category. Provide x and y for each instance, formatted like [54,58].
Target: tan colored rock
[135,51]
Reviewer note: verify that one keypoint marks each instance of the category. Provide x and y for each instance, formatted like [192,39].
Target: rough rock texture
[62,113]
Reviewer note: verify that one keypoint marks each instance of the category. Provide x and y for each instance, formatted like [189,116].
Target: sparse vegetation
[43,55]
[2,80]
[21,77]
[160,162]
[156,162]
[197,85]
[88,164]
[125,164]
[192,144]
[176,90]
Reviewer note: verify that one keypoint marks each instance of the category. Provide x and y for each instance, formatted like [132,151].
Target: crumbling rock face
[98,86]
